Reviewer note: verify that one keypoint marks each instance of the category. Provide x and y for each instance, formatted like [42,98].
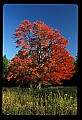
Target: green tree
[5,66]
[76,65]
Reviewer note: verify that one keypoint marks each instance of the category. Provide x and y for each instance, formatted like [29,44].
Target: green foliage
[76,66]
[76,63]
[30,102]
[5,66]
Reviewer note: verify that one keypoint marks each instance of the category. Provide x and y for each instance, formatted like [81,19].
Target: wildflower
[71,97]
[65,94]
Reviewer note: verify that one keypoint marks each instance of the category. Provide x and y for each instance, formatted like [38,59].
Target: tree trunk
[39,86]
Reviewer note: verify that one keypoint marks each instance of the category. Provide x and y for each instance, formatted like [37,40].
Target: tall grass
[17,101]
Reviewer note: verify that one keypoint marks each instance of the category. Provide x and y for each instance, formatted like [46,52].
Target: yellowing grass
[16,101]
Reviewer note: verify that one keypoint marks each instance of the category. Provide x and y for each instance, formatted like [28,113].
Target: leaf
[43,54]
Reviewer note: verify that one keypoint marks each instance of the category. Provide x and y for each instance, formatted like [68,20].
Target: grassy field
[46,101]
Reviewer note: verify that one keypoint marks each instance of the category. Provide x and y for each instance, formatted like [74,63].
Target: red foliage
[49,62]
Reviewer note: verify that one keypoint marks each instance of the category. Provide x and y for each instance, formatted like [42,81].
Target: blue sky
[59,16]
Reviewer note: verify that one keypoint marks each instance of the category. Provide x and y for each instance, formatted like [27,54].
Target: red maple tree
[43,55]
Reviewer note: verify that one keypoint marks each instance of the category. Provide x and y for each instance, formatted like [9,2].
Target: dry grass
[17,101]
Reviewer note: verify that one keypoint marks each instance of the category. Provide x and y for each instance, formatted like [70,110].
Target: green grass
[46,101]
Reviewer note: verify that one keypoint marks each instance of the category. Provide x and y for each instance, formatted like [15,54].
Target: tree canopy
[42,57]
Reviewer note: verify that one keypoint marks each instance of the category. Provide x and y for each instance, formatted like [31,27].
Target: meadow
[59,100]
